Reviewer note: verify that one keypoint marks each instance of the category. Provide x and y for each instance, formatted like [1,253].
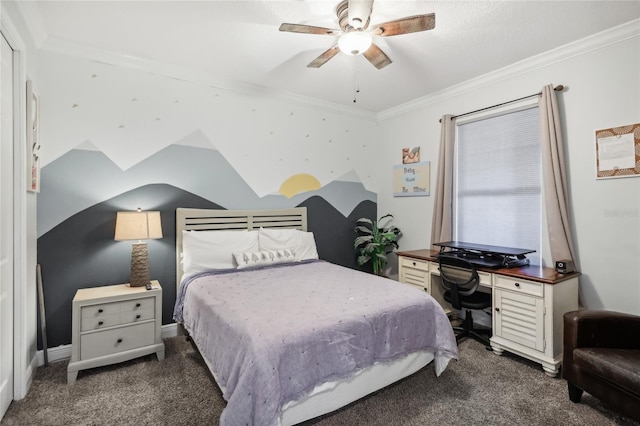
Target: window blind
[498,182]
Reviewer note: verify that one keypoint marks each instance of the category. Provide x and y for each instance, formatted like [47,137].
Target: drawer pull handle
[517,284]
[119,340]
[414,263]
[138,305]
[497,309]
[100,310]
[100,322]
[138,316]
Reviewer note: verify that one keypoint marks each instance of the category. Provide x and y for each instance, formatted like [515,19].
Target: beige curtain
[442,222]
[555,178]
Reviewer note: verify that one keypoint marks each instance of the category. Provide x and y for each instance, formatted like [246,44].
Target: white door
[6,226]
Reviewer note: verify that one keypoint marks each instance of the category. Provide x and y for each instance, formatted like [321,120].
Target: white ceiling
[239,41]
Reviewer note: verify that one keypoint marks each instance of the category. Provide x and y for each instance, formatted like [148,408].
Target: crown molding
[192,75]
[33,21]
[10,32]
[583,46]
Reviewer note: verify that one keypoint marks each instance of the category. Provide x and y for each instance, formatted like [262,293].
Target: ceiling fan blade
[308,29]
[359,13]
[324,57]
[410,24]
[377,57]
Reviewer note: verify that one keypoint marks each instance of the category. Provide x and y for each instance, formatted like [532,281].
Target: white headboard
[212,220]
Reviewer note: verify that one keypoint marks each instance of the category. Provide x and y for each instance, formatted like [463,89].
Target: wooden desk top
[530,272]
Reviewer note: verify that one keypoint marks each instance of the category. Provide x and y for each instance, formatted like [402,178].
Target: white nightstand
[113,324]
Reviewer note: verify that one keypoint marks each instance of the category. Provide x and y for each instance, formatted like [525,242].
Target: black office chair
[460,281]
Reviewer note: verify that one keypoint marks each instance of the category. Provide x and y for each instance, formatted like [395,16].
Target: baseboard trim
[63,352]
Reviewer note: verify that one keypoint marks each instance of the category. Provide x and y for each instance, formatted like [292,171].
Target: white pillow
[264,258]
[302,243]
[207,250]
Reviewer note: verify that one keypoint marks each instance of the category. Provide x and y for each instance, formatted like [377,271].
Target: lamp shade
[138,226]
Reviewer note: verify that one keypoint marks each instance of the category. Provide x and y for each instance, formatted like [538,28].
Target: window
[498,182]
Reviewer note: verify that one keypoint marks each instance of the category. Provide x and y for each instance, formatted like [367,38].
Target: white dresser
[527,309]
[113,324]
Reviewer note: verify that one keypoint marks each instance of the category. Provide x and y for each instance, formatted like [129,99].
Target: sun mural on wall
[299,183]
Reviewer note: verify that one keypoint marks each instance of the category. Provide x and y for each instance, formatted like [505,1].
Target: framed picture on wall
[33,139]
[411,180]
[411,155]
[618,152]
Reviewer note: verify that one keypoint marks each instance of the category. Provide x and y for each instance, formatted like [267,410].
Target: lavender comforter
[270,335]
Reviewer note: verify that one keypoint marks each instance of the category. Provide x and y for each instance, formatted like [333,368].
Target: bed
[287,336]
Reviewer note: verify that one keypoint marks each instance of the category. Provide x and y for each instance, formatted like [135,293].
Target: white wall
[601,76]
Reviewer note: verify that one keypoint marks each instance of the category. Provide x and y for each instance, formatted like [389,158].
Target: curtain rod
[558,88]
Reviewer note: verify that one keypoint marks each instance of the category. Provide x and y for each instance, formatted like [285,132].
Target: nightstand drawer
[100,321]
[136,316]
[521,286]
[137,305]
[108,314]
[98,311]
[102,343]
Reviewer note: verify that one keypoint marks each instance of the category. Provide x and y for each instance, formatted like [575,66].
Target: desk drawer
[407,262]
[521,286]
[101,343]
[414,272]
[485,277]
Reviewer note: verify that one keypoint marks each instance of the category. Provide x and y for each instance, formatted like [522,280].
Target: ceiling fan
[355,37]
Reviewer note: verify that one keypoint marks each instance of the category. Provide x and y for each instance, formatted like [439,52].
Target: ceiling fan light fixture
[355,42]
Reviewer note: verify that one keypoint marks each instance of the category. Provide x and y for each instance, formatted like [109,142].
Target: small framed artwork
[411,155]
[411,180]
[618,152]
[33,139]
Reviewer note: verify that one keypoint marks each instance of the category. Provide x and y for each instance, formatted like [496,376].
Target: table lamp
[139,226]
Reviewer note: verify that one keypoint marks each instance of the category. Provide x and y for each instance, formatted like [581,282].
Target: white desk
[528,304]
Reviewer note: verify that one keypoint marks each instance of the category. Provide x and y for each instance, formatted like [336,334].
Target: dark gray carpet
[480,388]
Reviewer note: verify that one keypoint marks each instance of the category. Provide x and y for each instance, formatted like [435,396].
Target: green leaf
[362,240]
[364,230]
[375,240]
[365,220]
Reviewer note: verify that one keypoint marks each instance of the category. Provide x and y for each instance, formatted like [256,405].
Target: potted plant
[375,240]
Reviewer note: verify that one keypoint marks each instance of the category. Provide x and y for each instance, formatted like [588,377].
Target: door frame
[7,180]
[23,308]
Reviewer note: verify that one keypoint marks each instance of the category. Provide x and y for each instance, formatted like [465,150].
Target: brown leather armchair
[602,356]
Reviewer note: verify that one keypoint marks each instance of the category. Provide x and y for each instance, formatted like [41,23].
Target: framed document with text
[618,152]
[411,180]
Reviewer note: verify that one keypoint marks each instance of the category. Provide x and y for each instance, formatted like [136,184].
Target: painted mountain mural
[82,178]
[80,251]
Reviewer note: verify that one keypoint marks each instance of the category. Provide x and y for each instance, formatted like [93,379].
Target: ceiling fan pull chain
[356,86]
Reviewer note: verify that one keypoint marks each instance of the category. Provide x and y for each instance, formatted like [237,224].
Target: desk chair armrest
[604,329]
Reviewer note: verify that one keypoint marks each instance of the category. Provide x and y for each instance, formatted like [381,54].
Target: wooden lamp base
[139,265]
